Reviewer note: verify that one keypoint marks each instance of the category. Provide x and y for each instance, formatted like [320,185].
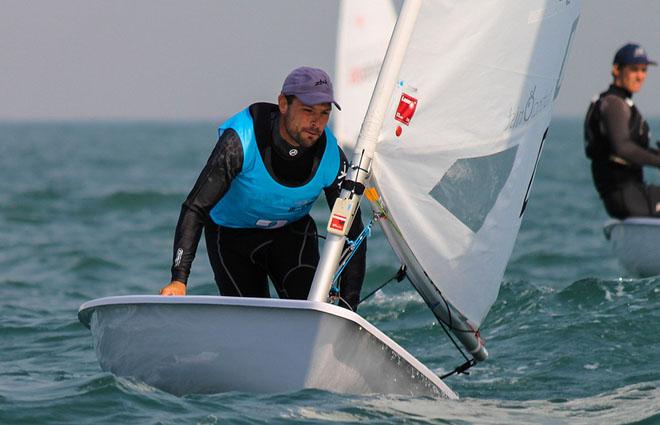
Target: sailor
[254,195]
[617,140]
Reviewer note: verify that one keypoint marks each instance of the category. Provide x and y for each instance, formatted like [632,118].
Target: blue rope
[353,247]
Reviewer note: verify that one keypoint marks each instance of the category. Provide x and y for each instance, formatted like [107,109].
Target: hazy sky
[205,59]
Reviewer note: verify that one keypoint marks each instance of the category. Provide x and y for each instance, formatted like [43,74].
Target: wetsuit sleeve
[223,165]
[353,275]
[615,116]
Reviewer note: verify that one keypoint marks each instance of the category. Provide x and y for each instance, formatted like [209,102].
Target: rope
[352,249]
[449,324]
[399,276]
[458,347]
[460,369]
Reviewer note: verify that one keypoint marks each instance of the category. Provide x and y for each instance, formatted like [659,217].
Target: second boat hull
[636,244]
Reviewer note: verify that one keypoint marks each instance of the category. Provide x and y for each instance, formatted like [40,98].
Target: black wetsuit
[243,258]
[617,142]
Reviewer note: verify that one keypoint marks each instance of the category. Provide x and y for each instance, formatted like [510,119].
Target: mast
[349,199]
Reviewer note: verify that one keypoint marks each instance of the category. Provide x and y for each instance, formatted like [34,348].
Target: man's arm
[223,165]
[353,275]
[615,116]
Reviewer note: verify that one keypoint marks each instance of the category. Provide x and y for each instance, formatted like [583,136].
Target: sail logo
[364,72]
[533,106]
[406,109]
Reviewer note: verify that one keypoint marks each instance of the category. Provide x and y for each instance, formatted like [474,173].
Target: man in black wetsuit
[253,197]
[617,140]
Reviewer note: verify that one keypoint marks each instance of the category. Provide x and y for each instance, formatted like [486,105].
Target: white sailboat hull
[636,244]
[208,344]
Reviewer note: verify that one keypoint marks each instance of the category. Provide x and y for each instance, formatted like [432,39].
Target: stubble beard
[298,136]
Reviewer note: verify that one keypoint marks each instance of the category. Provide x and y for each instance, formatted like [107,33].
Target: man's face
[630,77]
[300,124]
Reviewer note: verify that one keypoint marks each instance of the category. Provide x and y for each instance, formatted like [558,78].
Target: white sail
[460,143]
[363,31]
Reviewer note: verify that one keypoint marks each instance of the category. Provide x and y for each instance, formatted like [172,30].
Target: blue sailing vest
[254,198]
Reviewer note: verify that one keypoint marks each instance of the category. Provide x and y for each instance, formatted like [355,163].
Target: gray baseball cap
[311,86]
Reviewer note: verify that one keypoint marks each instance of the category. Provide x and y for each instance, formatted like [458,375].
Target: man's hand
[174,288]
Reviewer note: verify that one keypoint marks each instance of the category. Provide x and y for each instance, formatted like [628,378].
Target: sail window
[471,186]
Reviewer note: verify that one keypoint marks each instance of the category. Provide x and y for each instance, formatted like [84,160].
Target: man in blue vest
[617,140]
[254,195]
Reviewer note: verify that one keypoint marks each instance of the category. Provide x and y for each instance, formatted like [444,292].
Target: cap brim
[315,99]
[648,62]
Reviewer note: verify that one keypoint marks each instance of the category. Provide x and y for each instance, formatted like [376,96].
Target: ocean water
[88,210]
